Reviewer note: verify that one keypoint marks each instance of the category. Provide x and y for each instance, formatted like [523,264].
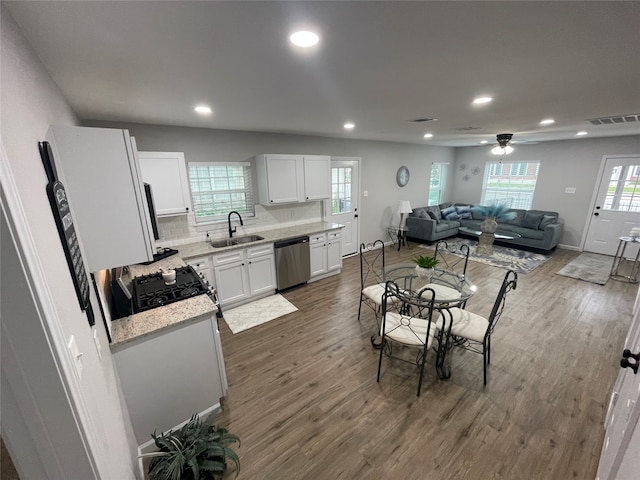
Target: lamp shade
[405,207]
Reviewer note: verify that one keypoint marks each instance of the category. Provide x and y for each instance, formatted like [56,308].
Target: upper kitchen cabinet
[102,178]
[293,178]
[166,172]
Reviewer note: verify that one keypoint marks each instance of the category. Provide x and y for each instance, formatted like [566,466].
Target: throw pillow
[448,211]
[547,220]
[451,215]
[433,216]
[436,210]
[463,209]
[532,220]
[466,215]
[423,214]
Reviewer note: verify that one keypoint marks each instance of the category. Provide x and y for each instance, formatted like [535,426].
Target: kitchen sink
[247,239]
[229,242]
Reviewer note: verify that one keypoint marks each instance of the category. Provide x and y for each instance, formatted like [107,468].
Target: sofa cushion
[532,220]
[547,220]
[420,213]
[448,211]
[519,218]
[447,225]
[445,205]
[527,232]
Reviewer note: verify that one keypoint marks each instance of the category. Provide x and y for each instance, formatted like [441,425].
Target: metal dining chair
[468,330]
[371,276]
[407,319]
[451,258]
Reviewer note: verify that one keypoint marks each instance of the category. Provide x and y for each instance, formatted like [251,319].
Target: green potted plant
[198,450]
[425,265]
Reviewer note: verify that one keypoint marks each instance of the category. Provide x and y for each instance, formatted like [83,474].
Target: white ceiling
[379,64]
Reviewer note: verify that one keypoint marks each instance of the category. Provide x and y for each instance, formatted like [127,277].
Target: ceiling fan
[503,147]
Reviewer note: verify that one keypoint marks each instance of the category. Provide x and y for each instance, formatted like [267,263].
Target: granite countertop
[156,320]
[198,249]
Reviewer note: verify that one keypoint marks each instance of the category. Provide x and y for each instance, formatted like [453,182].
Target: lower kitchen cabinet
[169,376]
[326,254]
[245,274]
[203,266]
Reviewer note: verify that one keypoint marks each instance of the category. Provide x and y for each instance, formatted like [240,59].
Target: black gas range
[151,291]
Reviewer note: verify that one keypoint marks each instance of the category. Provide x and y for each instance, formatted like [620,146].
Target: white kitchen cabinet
[247,274]
[166,172]
[169,376]
[204,266]
[317,177]
[326,253]
[293,178]
[101,175]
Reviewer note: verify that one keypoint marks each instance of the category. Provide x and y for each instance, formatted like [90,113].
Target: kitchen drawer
[200,263]
[317,238]
[229,257]
[259,250]
[334,235]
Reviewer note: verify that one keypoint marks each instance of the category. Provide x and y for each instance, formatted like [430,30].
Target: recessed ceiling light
[547,121]
[304,39]
[482,100]
[349,125]
[203,109]
[582,133]
[428,135]
[484,141]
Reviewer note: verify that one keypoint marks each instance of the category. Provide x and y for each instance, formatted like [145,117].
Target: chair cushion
[408,330]
[467,324]
[442,292]
[374,292]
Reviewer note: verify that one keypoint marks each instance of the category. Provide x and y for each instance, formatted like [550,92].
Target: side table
[399,234]
[619,259]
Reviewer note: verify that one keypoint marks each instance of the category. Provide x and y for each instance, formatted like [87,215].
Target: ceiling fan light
[508,149]
[497,150]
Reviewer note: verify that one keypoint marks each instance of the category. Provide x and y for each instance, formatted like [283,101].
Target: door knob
[596,214]
[355,216]
[625,363]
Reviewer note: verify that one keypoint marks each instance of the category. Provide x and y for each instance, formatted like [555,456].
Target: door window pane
[437,183]
[341,189]
[623,193]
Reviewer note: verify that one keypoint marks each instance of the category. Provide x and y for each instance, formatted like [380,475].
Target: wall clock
[402,177]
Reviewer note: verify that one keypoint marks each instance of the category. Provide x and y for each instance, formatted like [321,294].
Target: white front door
[343,206]
[619,457]
[617,207]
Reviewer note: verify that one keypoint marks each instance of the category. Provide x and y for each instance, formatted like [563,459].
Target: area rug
[590,267]
[520,261]
[256,313]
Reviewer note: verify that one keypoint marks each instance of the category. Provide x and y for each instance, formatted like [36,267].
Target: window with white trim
[219,188]
[437,182]
[510,183]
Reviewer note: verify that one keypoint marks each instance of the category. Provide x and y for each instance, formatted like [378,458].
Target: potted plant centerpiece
[198,450]
[425,265]
[491,214]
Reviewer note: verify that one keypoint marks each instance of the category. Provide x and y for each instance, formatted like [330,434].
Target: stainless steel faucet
[231,230]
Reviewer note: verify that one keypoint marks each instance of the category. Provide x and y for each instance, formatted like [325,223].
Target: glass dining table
[451,289]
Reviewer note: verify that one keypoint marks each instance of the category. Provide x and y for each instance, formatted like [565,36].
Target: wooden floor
[304,400]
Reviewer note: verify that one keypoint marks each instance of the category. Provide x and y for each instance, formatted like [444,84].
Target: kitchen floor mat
[256,313]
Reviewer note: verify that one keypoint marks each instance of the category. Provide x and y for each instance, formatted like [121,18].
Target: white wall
[79,428]
[380,161]
[568,163]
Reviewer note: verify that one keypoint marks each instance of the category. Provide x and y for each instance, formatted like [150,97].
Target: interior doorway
[616,207]
[344,204]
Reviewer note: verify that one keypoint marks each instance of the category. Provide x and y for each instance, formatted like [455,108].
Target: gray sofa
[538,229]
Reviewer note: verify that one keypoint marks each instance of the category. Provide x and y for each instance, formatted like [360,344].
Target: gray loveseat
[538,229]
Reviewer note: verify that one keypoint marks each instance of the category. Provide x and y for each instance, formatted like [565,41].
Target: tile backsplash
[181,229]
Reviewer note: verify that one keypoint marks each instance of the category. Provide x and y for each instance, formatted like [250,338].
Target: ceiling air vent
[422,120]
[634,117]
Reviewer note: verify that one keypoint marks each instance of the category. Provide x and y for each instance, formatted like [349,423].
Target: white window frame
[442,181]
[248,210]
[510,189]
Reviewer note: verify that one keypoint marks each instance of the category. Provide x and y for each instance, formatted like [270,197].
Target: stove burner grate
[150,291]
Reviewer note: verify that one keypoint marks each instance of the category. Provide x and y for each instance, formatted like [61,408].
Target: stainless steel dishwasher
[293,265]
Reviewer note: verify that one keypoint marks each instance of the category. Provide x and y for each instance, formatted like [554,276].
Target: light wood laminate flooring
[304,400]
